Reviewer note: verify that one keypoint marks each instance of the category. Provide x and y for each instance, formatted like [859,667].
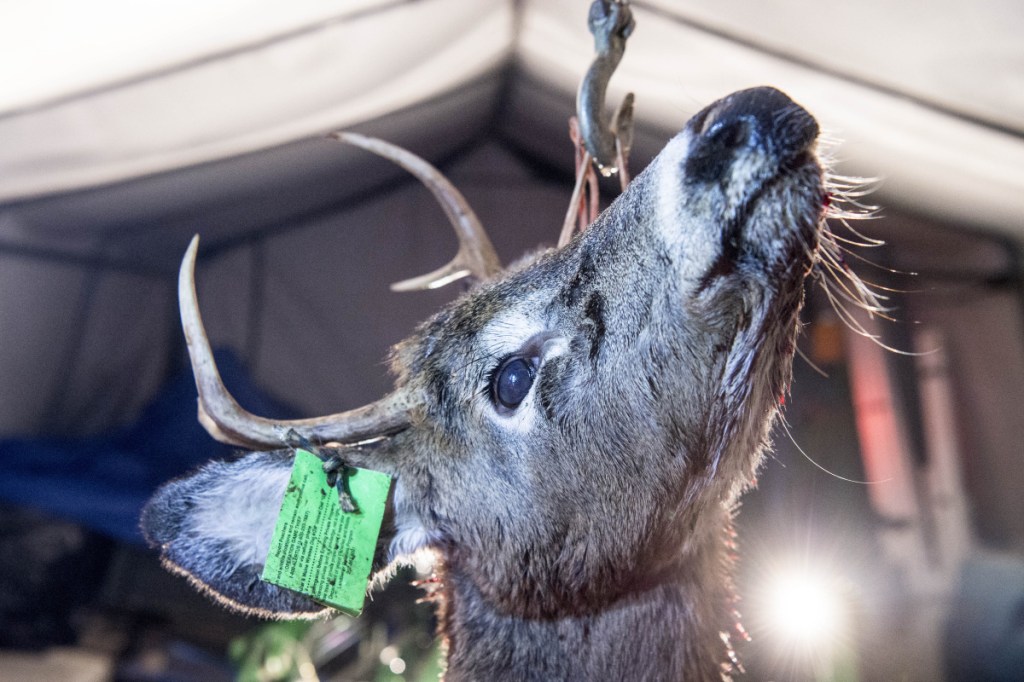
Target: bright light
[389,657]
[803,621]
[806,609]
[388,654]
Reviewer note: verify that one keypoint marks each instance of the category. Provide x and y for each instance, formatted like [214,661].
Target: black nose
[763,118]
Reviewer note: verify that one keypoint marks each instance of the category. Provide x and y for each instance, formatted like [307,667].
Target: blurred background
[885,540]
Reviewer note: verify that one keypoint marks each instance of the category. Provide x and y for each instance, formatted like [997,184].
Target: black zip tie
[337,471]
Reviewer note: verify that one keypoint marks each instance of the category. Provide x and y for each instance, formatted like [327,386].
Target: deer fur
[587,532]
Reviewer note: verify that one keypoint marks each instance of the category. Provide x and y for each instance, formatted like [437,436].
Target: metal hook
[611,22]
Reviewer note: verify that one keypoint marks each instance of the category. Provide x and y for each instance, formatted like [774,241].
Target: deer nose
[764,119]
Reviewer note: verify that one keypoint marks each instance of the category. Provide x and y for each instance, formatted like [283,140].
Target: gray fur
[214,527]
[587,533]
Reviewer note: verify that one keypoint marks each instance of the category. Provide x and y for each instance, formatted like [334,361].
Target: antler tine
[229,422]
[476,256]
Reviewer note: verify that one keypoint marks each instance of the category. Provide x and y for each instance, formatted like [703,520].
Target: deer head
[572,434]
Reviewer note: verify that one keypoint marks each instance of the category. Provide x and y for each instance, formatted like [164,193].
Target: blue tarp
[103,482]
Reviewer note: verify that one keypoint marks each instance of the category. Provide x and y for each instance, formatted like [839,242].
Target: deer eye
[512,382]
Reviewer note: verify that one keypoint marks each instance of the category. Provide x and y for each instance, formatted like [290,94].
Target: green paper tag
[318,549]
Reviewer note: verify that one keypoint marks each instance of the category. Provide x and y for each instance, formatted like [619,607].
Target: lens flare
[805,609]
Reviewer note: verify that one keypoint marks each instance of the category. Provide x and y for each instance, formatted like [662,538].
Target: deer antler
[229,422]
[476,256]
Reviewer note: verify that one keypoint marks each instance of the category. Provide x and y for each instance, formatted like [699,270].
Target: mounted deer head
[572,435]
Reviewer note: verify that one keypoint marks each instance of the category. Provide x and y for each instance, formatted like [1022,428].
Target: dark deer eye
[512,382]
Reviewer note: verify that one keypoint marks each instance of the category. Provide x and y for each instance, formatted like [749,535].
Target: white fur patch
[746,170]
[410,538]
[241,510]
[506,333]
[670,185]
[411,535]
[696,240]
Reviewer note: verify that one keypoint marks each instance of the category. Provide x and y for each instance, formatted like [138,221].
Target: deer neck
[676,628]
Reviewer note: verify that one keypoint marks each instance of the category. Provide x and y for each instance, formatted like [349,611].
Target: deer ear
[214,527]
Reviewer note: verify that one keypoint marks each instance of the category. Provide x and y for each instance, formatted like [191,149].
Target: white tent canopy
[928,99]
